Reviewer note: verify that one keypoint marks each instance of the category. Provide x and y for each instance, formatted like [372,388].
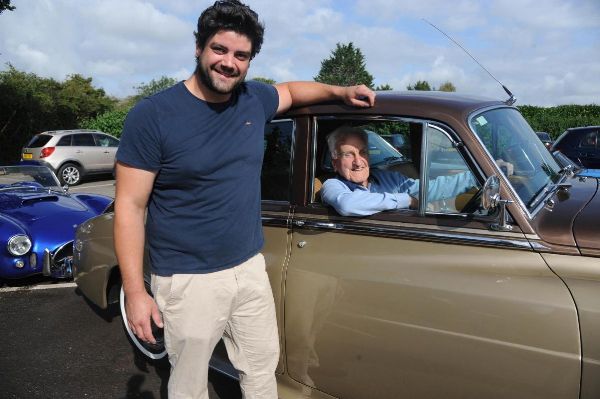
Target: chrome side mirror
[490,200]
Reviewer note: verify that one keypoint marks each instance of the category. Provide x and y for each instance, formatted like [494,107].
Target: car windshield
[381,152]
[27,176]
[507,136]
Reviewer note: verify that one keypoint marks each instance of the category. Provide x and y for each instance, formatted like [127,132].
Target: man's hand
[140,308]
[510,169]
[359,96]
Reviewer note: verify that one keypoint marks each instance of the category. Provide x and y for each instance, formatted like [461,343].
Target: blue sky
[547,52]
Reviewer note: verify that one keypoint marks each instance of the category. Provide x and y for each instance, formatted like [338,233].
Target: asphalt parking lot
[95,186]
[57,345]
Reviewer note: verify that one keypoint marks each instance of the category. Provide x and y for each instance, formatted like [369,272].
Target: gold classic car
[494,293]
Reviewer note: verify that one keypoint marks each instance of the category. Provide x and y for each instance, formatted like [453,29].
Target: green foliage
[345,67]
[384,87]
[447,86]
[421,85]
[268,81]
[147,89]
[30,104]
[556,120]
[5,5]
[110,122]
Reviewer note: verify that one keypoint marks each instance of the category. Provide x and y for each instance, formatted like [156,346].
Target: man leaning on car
[177,157]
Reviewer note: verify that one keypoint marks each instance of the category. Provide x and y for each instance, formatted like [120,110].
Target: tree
[384,87]
[154,86]
[30,104]
[421,85]
[345,67]
[5,6]
[268,81]
[447,86]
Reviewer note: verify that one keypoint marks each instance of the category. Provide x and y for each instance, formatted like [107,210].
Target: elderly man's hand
[510,169]
[359,96]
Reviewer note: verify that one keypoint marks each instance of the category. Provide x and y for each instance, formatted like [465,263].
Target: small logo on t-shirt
[248,123]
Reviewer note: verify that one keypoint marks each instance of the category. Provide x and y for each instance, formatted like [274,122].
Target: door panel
[384,317]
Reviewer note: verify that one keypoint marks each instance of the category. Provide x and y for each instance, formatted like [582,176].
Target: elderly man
[359,191]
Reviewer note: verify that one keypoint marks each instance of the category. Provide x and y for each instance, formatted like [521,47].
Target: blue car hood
[30,208]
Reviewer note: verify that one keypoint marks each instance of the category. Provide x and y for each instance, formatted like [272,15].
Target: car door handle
[301,244]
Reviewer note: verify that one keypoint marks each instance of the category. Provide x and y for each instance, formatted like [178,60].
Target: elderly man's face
[352,162]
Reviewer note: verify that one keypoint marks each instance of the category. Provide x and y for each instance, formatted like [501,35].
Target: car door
[84,149]
[428,303]
[275,192]
[108,149]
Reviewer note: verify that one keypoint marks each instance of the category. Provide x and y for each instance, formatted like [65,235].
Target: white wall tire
[157,351]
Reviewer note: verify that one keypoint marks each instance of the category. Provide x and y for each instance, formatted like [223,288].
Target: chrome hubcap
[70,175]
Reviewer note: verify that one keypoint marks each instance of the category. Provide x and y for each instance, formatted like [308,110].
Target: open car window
[415,150]
[275,176]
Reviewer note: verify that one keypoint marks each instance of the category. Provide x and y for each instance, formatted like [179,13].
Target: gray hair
[340,135]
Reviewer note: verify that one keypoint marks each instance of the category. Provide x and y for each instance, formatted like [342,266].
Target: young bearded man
[191,156]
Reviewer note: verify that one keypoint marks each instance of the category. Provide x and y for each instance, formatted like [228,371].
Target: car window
[451,186]
[64,141]
[590,140]
[103,140]
[83,140]
[275,177]
[39,140]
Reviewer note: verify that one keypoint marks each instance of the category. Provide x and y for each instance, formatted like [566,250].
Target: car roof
[73,131]
[583,128]
[425,104]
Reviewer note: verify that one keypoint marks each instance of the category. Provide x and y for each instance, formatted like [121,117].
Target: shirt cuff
[402,200]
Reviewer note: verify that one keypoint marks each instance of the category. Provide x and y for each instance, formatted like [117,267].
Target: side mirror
[490,200]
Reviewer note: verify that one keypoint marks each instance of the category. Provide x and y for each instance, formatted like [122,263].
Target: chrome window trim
[418,234]
[292,154]
[529,215]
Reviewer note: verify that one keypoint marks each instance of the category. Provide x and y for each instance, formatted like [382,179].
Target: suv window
[83,140]
[275,177]
[39,140]
[103,140]
[64,141]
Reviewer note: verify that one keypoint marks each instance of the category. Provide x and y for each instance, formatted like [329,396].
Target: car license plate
[27,156]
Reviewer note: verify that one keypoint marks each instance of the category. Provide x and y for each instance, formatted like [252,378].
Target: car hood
[31,207]
[573,218]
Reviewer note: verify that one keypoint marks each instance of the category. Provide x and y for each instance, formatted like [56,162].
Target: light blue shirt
[389,190]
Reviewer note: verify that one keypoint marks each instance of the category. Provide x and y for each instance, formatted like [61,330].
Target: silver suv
[72,154]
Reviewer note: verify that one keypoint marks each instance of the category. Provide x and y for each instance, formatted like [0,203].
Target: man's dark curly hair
[230,15]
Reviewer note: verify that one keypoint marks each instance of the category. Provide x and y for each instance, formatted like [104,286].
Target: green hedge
[556,120]
[109,122]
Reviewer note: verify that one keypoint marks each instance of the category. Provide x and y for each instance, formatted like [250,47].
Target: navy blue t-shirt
[204,209]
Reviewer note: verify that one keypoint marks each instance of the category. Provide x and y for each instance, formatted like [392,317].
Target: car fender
[98,203]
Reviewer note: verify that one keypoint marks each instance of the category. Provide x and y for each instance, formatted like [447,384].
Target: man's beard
[207,80]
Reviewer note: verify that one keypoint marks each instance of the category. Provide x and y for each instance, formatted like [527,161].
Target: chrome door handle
[301,244]
[299,223]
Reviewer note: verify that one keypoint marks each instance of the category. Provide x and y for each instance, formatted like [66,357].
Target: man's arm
[132,193]
[297,94]
[361,202]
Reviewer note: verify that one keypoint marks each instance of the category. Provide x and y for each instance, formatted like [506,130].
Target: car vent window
[83,140]
[275,177]
[64,141]
[451,186]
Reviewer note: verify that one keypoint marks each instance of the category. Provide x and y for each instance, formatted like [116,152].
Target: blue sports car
[38,220]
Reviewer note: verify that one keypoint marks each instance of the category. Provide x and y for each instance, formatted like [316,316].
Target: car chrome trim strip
[421,233]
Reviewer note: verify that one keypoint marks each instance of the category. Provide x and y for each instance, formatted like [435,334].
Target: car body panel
[582,275]
[393,324]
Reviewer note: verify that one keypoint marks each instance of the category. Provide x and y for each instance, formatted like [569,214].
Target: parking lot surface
[57,345]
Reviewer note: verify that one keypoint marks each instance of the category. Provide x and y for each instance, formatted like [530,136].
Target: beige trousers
[235,304]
